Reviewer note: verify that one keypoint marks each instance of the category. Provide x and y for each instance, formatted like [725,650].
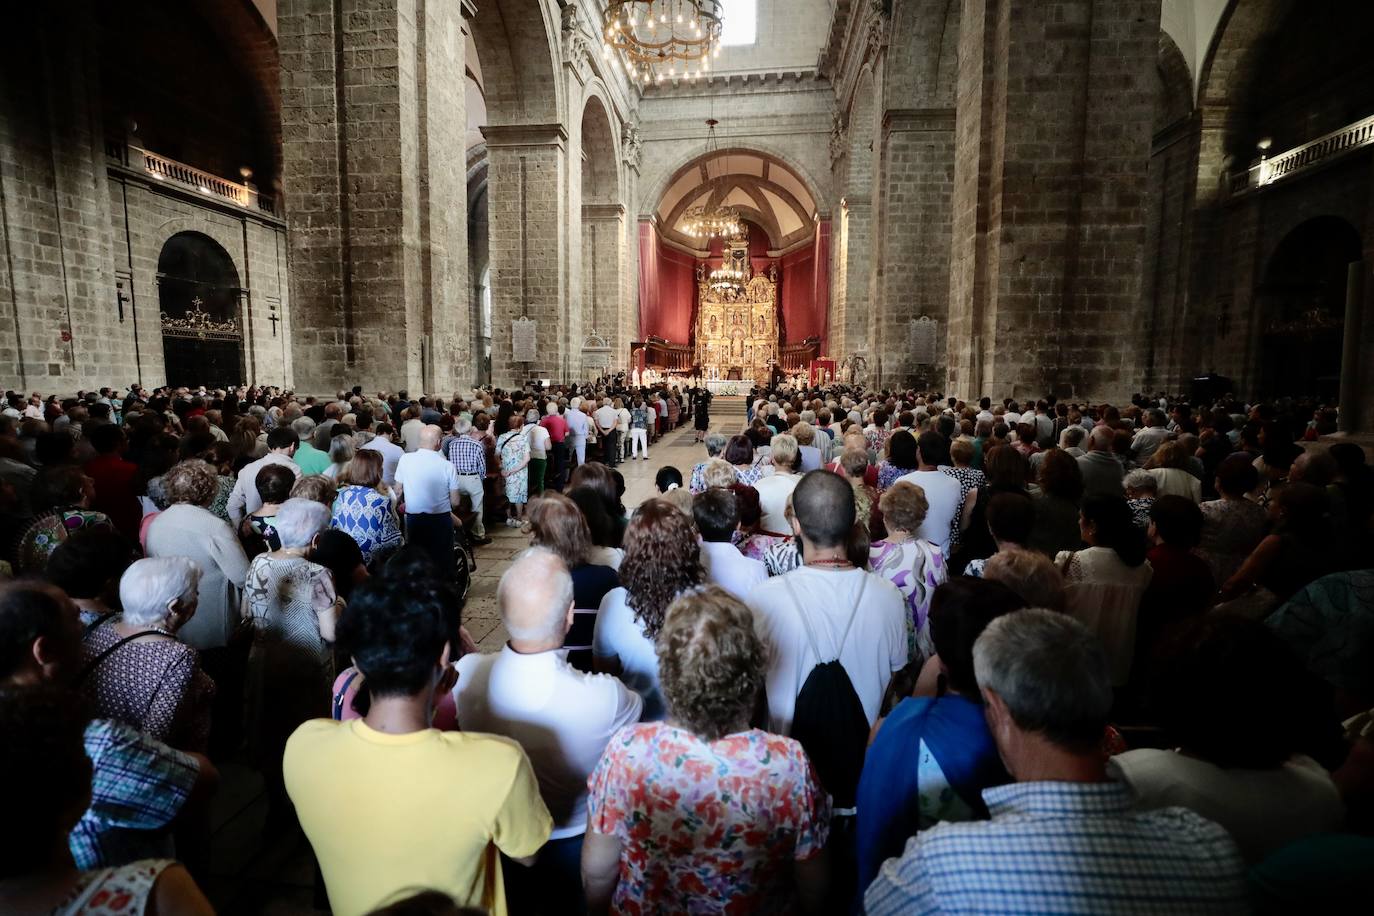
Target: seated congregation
[877,652]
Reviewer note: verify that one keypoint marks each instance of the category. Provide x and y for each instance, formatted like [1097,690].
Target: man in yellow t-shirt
[390,804]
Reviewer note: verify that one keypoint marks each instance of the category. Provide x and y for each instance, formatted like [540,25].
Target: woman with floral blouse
[701,813]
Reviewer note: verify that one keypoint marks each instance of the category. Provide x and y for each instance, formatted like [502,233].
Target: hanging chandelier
[662,39]
[707,222]
[727,280]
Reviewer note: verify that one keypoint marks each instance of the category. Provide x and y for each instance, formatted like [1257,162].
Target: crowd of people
[877,651]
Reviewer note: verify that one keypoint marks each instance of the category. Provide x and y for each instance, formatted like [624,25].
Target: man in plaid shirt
[1063,838]
[139,786]
[469,460]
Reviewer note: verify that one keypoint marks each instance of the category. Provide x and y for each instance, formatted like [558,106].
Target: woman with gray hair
[715,444]
[187,528]
[136,671]
[341,451]
[292,607]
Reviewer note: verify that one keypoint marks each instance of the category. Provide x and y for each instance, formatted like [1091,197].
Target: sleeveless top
[120,891]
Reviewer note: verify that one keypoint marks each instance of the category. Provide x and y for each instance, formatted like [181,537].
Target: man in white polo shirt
[562,717]
[578,428]
[607,420]
[942,491]
[717,516]
[428,485]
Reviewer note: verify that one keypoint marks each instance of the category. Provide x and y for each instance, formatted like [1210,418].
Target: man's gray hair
[1157,417]
[1051,672]
[303,427]
[299,520]
[715,443]
[462,426]
[149,586]
[536,575]
[1072,436]
[1101,438]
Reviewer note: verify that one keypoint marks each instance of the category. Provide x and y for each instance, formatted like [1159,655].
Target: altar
[737,323]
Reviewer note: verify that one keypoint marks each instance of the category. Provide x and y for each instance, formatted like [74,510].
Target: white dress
[1104,593]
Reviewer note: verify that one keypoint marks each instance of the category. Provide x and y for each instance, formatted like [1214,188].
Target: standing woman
[1103,584]
[662,560]
[639,429]
[513,449]
[703,413]
[292,607]
[702,813]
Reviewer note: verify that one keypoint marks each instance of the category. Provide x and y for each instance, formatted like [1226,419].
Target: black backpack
[828,719]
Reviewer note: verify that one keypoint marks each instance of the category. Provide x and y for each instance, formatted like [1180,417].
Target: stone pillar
[1055,107]
[372,114]
[604,267]
[855,246]
[527,194]
[912,239]
[61,328]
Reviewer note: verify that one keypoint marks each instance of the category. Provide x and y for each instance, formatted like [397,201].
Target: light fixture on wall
[708,221]
[663,38]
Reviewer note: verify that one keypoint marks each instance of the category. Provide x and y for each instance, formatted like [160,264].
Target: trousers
[610,448]
[471,484]
[433,533]
[639,439]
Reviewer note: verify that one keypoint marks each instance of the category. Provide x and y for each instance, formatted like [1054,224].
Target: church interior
[949,217]
[1088,198]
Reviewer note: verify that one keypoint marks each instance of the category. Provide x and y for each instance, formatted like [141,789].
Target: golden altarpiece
[737,319]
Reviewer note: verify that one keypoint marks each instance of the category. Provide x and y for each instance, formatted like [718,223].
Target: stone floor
[275,875]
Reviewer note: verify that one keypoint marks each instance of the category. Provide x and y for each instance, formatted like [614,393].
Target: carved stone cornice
[917,120]
[500,136]
[790,78]
[603,211]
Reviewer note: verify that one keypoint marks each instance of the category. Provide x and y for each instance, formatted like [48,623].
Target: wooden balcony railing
[161,168]
[796,357]
[664,356]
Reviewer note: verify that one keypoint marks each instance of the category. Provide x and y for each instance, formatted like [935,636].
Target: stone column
[527,194]
[855,255]
[912,239]
[60,329]
[1055,106]
[373,114]
[604,267]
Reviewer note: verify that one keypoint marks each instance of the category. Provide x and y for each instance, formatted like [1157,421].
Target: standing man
[391,452]
[468,459]
[429,489]
[607,426]
[244,499]
[562,717]
[942,492]
[1063,837]
[558,433]
[578,428]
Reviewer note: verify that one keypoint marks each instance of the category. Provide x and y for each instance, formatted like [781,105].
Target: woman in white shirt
[1232,694]
[662,560]
[1168,466]
[1103,585]
[775,488]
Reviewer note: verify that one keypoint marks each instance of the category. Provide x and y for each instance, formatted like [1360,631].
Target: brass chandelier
[710,222]
[662,38]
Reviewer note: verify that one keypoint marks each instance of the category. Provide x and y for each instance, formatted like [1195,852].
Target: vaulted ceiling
[762,189]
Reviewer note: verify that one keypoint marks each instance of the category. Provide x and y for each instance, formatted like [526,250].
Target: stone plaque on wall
[522,339]
[923,333]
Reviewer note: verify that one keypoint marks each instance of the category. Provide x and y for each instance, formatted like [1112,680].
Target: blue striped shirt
[1065,847]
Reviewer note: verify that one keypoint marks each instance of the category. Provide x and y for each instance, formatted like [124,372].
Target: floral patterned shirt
[707,827]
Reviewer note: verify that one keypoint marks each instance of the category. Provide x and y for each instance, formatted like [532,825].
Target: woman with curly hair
[662,560]
[712,777]
[187,528]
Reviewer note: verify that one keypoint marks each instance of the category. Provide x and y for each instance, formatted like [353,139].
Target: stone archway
[1301,302]
[198,300]
[604,244]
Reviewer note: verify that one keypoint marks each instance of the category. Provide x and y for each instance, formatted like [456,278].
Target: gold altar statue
[737,321]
